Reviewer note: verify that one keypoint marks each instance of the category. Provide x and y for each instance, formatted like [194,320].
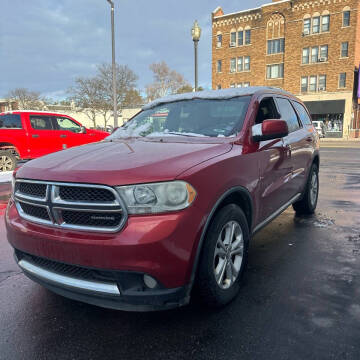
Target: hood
[100,133]
[122,162]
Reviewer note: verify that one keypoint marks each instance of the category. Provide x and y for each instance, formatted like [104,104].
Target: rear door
[295,143]
[42,137]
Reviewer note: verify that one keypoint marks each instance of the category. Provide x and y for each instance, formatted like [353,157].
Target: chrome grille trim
[55,205]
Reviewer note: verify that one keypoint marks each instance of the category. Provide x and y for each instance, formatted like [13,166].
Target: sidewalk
[339,139]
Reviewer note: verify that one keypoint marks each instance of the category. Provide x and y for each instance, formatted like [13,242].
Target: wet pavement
[300,298]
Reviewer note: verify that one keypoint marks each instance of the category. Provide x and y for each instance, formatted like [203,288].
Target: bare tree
[166,81]
[26,98]
[132,98]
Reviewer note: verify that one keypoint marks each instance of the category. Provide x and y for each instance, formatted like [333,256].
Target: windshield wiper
[181,134]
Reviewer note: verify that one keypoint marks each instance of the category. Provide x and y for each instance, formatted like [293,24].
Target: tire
[307,204]
[7,161]
[213,289]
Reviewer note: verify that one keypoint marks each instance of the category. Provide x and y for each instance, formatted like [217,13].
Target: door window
[39,122]
[267,110]
[67,124]
[303,115]
[288,114]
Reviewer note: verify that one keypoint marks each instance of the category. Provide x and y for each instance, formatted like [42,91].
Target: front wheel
[307,204]
[224,257]
[7,161]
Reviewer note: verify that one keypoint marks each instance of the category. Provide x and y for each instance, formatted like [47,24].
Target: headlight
[157,197]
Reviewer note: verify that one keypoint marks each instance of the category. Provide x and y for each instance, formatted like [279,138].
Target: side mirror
[269,130]
[82,130]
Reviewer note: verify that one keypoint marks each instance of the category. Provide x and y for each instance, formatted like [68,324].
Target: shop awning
[326,107]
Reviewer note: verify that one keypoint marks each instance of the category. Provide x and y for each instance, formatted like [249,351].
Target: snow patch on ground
[5,176]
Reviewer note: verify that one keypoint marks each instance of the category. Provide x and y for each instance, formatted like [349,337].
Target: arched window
[316,23]
[275,34]
[233,37]
[240,36]
[218,39]
[247,35]
[346,16]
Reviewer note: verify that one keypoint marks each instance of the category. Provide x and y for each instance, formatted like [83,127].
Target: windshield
[197,117]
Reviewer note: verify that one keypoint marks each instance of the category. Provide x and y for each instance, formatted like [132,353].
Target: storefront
[331,113]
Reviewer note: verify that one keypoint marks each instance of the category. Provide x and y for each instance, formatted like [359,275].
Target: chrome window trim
[55,205]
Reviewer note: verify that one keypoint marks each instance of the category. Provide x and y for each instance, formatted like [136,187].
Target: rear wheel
[224,257]
[7,161]
[307,204]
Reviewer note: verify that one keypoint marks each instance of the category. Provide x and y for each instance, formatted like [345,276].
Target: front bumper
[108,289]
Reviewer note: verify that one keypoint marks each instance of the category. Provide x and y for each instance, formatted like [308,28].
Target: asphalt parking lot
[300,298]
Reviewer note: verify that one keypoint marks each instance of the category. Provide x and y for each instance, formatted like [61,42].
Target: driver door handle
[35,135]
[63,136]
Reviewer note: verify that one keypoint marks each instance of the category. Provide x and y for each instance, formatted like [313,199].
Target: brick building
[310,48]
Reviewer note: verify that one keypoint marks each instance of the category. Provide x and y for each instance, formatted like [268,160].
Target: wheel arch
[9,146]
[237,195]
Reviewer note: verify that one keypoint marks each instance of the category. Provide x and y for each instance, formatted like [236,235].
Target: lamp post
[113,63]
[195,33]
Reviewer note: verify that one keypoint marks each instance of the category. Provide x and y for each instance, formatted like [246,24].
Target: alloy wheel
[314,188]
[6,163]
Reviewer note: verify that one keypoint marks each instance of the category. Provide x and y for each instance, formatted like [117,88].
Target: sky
[46,44]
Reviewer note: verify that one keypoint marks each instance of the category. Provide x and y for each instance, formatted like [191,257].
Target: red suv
[168,203]
[29,134]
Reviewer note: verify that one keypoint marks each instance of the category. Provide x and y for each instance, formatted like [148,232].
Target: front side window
[312,83]
[240,64]
[247,37]
[275,71]
[303,114]
[195,118]
[316,25]
[344,49]
[67,124]
[218,40]
[322,82]
[304,84]
[246,63]
[288,114]
[39,122]
[10,121]
[233,38]
[218,66]
[342,80]
[325,23]
[240,38]
[233,65]
[346,18]
[307,26]
[305,55]
[276,46]
[314,54]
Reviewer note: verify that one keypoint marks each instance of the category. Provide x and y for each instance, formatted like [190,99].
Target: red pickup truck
[30,134]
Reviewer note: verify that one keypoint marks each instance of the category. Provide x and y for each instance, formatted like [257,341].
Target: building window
[314,54]
[233,65]
[342,80]
[323,53]
[305,55]
[304,84]
[247,37]
[233,39]
[325,23]
[218,66]
[322,83]
[218,40]
[275,71]
[345,49]
[316,25]
[246,84]
[312,83]
[246,63]
[346,18]
[219,87]
[240,64]
[232,85]
[307,26]
[276,46]
[240,38]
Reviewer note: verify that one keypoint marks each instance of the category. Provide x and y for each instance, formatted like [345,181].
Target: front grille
[100,219]
[32,189]
[35,211]
[88,194]
[70,205]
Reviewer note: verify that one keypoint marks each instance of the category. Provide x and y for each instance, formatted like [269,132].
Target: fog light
[150,282]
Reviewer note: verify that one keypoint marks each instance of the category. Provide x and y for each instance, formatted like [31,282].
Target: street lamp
[113,63]
[195,33]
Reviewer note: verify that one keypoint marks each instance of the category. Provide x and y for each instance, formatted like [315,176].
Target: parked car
[29,134]
[318,128]
[165,206]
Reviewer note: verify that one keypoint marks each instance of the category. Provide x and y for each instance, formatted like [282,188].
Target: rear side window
[39,122]
[10,121]
[303,115]
[288,114]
